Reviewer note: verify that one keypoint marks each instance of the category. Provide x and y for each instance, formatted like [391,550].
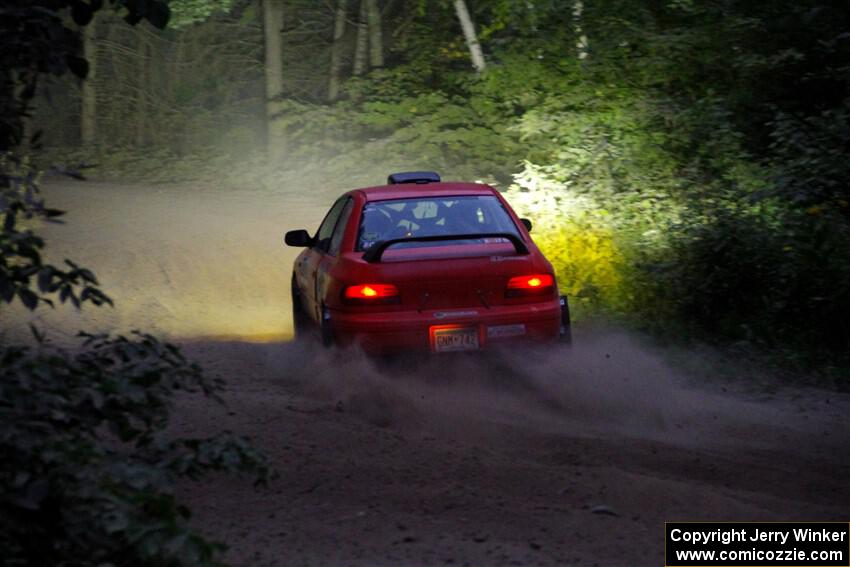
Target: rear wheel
[300,321]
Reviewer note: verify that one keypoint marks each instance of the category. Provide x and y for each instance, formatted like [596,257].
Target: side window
[336,239]
[323,236]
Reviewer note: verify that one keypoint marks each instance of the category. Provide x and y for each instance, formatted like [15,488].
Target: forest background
[685,162]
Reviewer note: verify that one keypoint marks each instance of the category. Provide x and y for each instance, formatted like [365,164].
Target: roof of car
[405,190]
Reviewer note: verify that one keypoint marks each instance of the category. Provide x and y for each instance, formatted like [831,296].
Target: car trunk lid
[450,277]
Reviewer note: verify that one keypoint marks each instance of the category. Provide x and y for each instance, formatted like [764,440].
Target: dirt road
[549,458]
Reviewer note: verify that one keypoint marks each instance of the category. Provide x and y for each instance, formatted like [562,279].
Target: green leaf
[45,279]
[28,298]
[52,213]
[38,334]
[7,289]
[87,275]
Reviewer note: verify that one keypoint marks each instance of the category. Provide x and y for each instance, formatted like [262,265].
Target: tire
[566,336]
[300,321]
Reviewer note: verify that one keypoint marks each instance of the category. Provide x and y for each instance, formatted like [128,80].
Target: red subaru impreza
[424,265]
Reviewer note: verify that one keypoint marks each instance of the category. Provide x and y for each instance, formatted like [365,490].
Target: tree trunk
[272,27]
[469,33]
[336,49]
[376,42]
[581,38]
[23,86]
[361,43]
[88,107]
[113,60]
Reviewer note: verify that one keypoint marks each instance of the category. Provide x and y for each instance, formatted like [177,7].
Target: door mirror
[298,238]
[526,223]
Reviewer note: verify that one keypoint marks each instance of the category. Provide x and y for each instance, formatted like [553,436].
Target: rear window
[446,216]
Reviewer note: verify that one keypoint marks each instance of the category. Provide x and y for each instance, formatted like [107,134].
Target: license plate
[453,340]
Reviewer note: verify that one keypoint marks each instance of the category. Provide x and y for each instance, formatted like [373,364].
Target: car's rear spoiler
[374,253]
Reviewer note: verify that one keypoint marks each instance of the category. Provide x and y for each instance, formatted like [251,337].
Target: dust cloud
[609,384]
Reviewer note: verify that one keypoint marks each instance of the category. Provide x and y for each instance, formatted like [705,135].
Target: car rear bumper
[388,332]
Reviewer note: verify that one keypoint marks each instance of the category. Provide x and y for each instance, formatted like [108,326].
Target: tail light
[534,284]
[371,294]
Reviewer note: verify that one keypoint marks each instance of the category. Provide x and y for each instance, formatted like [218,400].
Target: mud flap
[566,335]
[325,329]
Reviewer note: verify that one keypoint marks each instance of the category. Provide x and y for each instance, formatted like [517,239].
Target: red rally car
[424,265]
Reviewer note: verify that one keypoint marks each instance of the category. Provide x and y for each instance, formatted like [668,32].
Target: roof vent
[413,177]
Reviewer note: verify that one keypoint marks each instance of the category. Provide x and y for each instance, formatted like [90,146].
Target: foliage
[88,470]
[21,263]
[87,477]
[88,473]
[576,236]
[810,160]
[187,12]
[728,213]
[737,276]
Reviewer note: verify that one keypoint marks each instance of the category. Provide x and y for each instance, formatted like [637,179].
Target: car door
[322,253]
